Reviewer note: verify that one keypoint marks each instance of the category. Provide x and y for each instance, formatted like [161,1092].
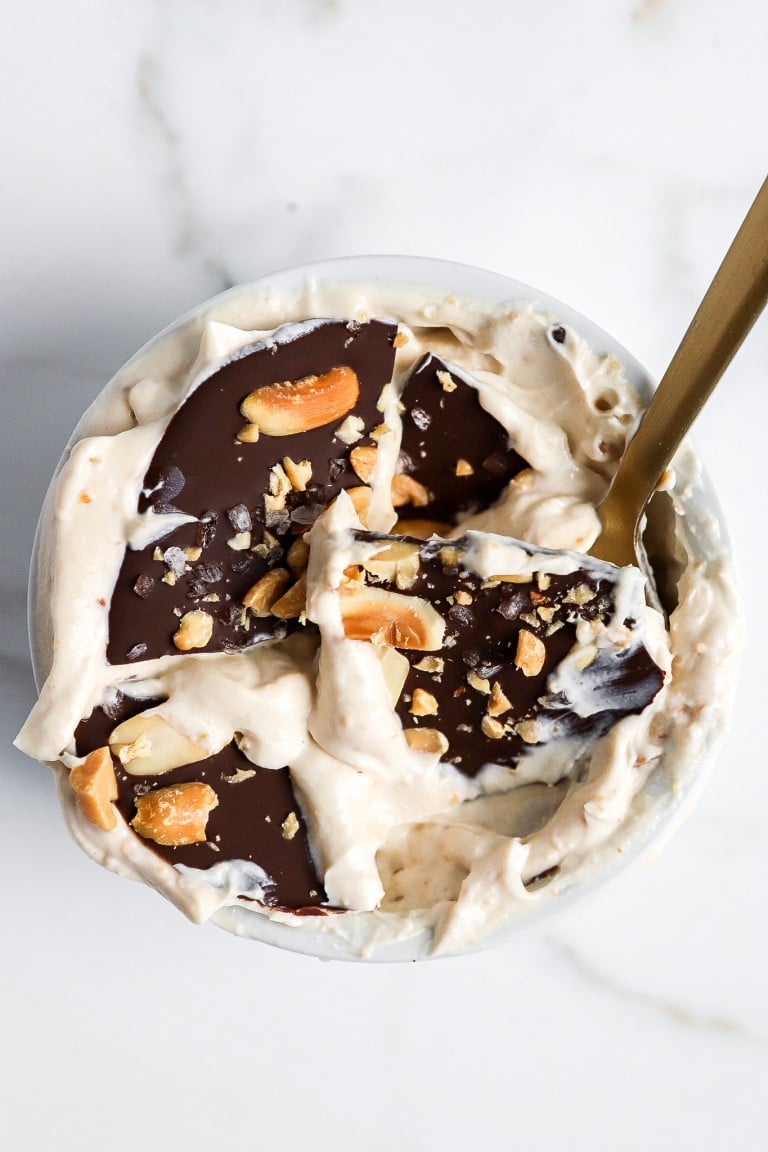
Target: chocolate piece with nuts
[493,645]
[255,454]
[246,823]
[451,446]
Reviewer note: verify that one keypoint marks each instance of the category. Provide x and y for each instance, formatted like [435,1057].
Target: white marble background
[157,151]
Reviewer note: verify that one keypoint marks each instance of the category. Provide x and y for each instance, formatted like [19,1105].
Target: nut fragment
[585,656]
[363,461]
[147,745]
[290,826]
[385,617]
[426,740]
[95,787]
[291,605]
[297,557]
[194,631]
[265,592]
[361,499]
[248,434]
[498,704]
[447,381]
[379,431]
[400,340]
[292,406]
[531,653]
[529,731]
[395,667]
[241,540]
[423,703]
[350,430]
[279,483]
[398,563]
[464,468]
[479,683]
[175,815]
[299,474]
[581,594]
[406,490]
[422,529]
[433,664]
[493,729]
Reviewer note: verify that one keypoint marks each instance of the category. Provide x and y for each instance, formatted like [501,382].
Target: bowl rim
[645,837]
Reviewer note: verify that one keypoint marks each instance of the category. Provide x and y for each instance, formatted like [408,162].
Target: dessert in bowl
[322,653]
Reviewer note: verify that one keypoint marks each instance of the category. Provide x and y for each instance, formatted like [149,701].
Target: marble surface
[157,152]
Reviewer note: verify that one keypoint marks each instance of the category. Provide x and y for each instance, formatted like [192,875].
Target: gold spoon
[732,303]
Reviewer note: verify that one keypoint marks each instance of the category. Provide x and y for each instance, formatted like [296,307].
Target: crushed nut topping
[361,499]
[464,468]
[292,603]
[529,731]
[195,631]
[265,592]
[299,474]
[175,815]
[290,826]
[581,594]
[297,557]
[479,683]
[530,654]
[398,563]
[406,490]
[498,704]
[241,541]
[363,461]
[427,740]
[447,381]
[492,728]
[350,430]
[94,785]
[423,703]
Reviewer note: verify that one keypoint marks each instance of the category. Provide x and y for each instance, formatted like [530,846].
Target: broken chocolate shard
[498,696]
[211,475]
[451,445]
[247,823]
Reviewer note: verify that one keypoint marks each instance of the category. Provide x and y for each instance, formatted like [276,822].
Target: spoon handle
[732,303]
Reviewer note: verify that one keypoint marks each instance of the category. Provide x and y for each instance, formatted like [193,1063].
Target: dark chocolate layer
[247,824]
[202,469]
[451,445]
[481,640]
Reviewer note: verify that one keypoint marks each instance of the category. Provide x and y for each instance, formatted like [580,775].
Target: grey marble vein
[151,79]
[606,983]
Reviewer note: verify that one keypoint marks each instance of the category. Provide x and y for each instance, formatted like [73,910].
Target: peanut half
[390,618]
[147,745]
[292,406]
[398,563]
[262,595]
[293,602]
